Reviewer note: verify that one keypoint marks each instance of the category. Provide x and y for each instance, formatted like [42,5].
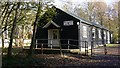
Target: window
[93,32]
[55,35]
[111,35]
[85,31]
[104,35]
[108,35]
[99,33]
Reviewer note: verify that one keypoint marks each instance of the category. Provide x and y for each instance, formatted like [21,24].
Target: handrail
[72,40]
[67,42]
[59,39]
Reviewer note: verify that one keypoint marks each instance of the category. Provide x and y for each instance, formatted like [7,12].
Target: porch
[43,46]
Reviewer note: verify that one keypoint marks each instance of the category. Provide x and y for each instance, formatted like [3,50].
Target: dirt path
[111,50]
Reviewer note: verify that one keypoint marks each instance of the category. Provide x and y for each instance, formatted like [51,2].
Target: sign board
[68,23]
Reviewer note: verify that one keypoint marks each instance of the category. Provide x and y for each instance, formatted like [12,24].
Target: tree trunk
[9,54]
[31,52]
[119,22]
[4,11]
[2,42]
[5,28]
[22,39]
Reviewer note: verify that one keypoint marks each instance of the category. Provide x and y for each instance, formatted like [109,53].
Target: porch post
[51,43]
[36,44]
[68,44]
[79,42]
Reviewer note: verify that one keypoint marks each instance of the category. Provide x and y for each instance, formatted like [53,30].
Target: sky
[73,1]
[60,2]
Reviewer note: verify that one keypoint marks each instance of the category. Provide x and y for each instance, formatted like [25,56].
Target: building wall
[72,32]
[85,35]
[95,36]
[99,36]
[43,35]
[66,31]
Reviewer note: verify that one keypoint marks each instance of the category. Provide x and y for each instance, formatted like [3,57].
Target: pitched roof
[75,16]
[83,20]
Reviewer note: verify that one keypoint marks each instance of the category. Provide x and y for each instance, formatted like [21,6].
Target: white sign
[68,23]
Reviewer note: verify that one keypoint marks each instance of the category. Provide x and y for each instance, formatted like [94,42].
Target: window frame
[85,34]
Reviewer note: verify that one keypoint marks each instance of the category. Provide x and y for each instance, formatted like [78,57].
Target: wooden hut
[67,30]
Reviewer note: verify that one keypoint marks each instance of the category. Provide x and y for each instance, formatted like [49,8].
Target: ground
[69,60]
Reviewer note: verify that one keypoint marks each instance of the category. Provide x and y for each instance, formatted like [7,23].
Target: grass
[111,45]
[15,50]
[15,61]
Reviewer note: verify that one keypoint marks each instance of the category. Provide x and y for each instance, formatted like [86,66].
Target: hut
[67,30]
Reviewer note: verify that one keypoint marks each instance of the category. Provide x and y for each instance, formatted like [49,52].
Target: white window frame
[99,33]
[105,35]
[93,32]
[85,31]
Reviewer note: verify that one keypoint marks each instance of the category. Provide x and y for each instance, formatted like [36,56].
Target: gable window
[85,31]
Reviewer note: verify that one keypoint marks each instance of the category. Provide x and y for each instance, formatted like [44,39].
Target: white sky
[60,2]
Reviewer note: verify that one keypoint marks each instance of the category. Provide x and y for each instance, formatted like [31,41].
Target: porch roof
[51,22]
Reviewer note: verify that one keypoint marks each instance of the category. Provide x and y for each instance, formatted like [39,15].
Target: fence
[64,43]
[67,44]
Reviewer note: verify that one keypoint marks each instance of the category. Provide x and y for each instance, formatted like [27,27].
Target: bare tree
[31,52]
[9,54]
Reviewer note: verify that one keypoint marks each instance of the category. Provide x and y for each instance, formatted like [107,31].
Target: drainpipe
[91,42]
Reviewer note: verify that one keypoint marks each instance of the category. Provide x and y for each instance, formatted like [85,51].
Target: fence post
[91,46]
[87,47]
[86,53]
[36,44]
[60,48]
[105,50]
[42,49]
